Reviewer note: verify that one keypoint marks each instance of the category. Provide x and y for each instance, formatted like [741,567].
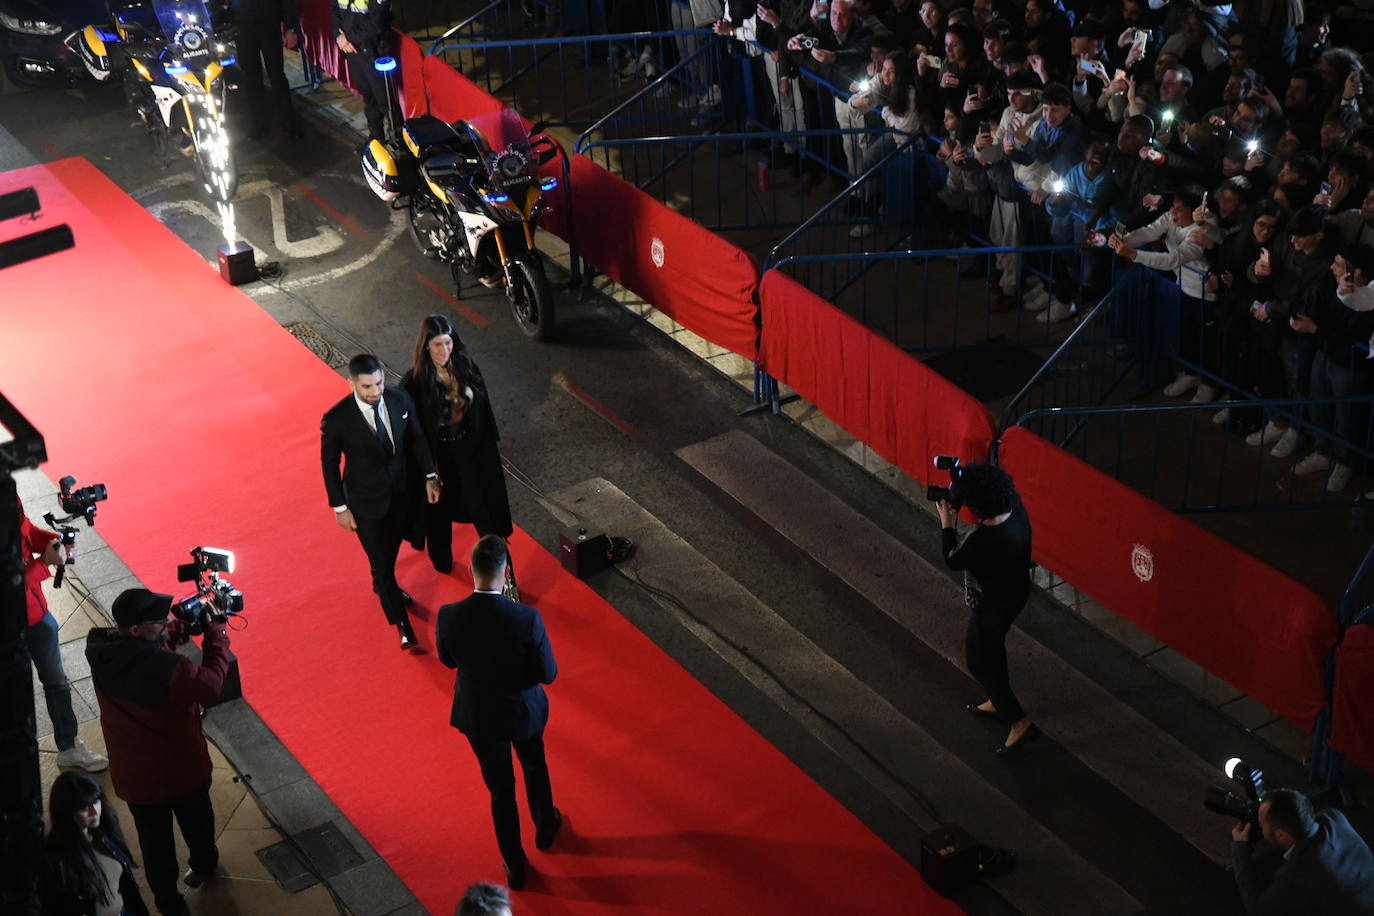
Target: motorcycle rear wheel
[531,298]
[426,226]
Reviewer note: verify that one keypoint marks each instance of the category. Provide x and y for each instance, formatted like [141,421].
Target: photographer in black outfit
[995,559]
[1325,866]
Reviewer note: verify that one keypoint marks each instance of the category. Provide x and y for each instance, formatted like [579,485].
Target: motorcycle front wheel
[531,299]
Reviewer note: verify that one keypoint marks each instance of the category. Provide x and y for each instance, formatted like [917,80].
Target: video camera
[1242,808]
[214,597]
[77,504]
[935,492]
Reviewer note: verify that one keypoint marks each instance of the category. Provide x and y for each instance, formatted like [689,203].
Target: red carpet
[147,373]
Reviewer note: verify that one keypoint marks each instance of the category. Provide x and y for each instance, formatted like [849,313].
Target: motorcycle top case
[390,171]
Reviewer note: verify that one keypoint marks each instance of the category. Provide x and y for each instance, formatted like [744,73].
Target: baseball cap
[139,605]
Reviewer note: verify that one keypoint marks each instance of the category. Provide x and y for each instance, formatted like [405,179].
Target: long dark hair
[899,96]
[68,849]
[460,362]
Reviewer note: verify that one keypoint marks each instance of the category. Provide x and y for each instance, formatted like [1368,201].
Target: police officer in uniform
[361,28]
[260,44]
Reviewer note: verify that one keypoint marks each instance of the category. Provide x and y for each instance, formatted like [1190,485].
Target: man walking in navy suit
[503,656]
[376,432]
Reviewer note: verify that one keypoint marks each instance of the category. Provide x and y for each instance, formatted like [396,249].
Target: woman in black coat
[87,869]
[456,415]
[995,559]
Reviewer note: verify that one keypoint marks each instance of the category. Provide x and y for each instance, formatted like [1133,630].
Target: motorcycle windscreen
[499,131]
[189,30]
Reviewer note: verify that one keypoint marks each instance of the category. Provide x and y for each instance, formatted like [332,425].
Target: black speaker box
[949,859]
[583,551]
[236,265]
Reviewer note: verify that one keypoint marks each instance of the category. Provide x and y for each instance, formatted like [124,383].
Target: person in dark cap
[150,699]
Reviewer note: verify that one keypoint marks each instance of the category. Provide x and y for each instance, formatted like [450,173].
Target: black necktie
[382,437]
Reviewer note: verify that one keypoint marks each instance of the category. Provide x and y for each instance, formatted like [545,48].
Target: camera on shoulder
[215,599]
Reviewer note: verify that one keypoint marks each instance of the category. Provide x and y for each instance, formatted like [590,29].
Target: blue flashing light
[495,197]
[385,64]
[548,184]
[175,69]
[229,61]
[107,37]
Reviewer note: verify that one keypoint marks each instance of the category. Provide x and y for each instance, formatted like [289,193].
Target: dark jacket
[58,897]
[1330,872]
[1295,281]
[503,655]
[371,477]
[150,700]
[364,22]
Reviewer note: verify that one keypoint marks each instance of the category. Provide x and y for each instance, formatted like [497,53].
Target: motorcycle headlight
[29,26]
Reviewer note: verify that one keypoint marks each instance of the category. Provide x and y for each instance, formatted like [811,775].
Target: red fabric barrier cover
[1237,617]
[412,89]
[684,270]
[1352,703]
[317,38]
[882,395]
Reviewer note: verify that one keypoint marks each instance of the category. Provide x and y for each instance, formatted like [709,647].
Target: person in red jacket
[150,700]
[43,549]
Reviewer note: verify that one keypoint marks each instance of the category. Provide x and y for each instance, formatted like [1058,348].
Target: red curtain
[881,394]
[317,37]
[413,91]
[1239,618]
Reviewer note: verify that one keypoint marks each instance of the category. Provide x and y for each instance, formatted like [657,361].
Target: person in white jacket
[1183,257]
[1019,119]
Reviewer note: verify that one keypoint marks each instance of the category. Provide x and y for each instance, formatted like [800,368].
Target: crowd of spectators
[1228,147]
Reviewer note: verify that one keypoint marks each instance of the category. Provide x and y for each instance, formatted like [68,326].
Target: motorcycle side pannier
[390,171]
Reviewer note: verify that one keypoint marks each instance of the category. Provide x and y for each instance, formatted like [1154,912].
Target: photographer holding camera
[42,549]
[1326,867]
[995,559]
[150,698]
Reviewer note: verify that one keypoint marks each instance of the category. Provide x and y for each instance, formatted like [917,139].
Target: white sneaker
[862,230]
[1058,311]
[1221,416]
[712,97]
[78,755]
[1205,394]
[1271,433]
[1339,479]
[665,91]
[1311,464]
[1181,385]
[1287,445]
[1037,300]
[690,102]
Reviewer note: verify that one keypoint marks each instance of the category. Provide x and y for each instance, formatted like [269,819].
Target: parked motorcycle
[474,201]
[172,58]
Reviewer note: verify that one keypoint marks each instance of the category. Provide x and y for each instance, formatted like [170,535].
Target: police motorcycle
[172,57]
[474,200]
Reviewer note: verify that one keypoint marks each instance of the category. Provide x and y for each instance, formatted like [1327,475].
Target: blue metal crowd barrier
[726,182]
[917,299]
[497,21]
[568,81]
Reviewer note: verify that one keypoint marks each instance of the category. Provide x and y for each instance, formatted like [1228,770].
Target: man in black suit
[1326,868]
[503,656]
[376,431]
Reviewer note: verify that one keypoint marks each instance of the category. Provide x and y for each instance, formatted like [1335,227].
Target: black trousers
[985,654]
[493,756]
[259,49]
[196,817]
[381,540]
[372,86]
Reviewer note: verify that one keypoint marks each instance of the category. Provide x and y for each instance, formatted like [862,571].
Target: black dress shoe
[1027,737]
[544,838]
[408,640]
[515,874]
[406,599]
[976,710]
